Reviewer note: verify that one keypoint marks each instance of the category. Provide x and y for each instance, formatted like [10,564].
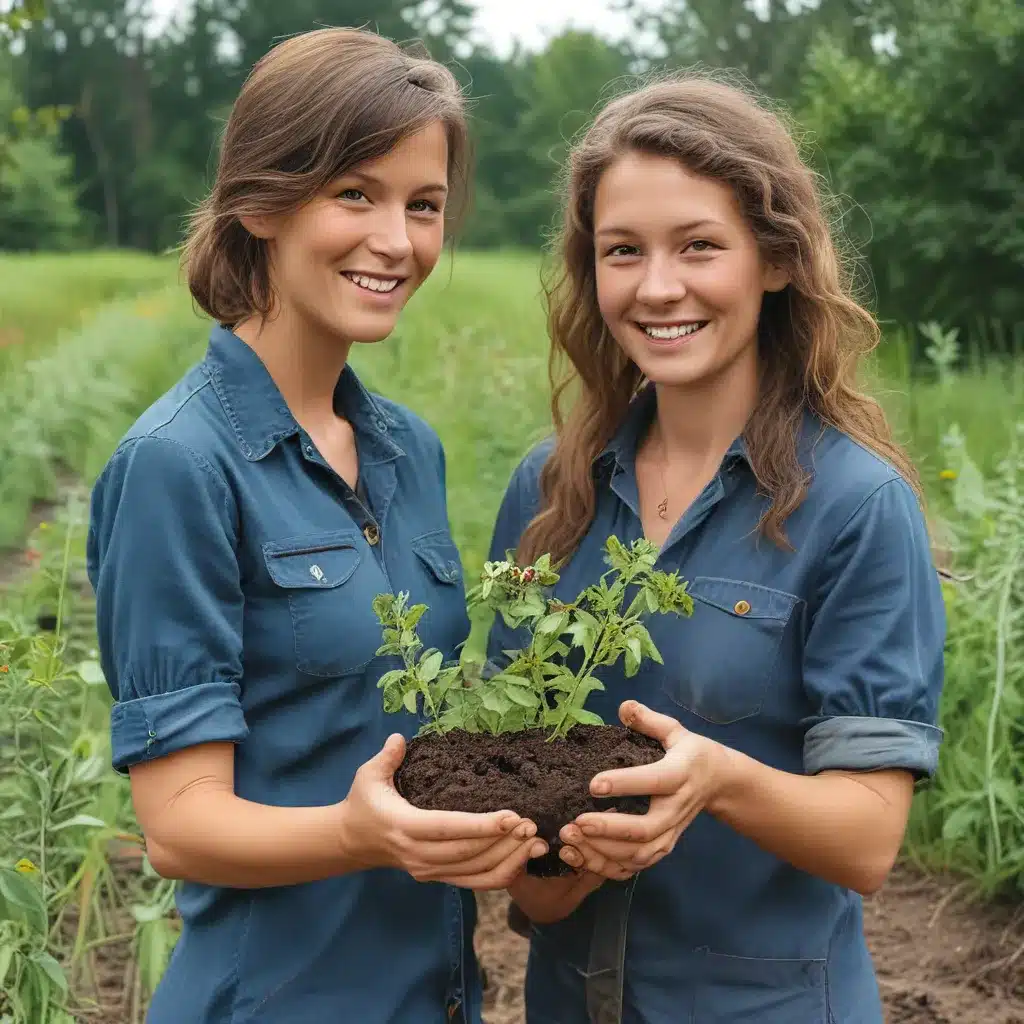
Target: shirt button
[741,607]
[381,425]
[309,449]
[372,534]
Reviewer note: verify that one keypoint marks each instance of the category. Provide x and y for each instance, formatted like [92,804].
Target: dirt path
[940,959]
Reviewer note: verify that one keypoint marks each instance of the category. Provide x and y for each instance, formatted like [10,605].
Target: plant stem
[997,695]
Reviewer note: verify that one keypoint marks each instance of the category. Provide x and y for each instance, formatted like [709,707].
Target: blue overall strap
[606,966]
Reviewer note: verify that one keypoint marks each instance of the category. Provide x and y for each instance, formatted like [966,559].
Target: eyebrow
[438,187]
[687,226]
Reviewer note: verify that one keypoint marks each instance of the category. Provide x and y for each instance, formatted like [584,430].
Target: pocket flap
[742,599]
[318,562]
[438,552]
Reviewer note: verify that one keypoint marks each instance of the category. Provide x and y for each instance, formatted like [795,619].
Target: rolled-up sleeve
[162,559]
[873,660]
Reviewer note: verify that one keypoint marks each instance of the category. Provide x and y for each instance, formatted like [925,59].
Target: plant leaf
[585,717]
[24,900]
[91,673]
[51,969]
[86,820]
[430,666]
[523,696]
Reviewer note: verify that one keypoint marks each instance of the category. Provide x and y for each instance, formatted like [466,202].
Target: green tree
[926,139]
[38,207]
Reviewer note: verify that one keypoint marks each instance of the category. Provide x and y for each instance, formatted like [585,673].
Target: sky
[532,24]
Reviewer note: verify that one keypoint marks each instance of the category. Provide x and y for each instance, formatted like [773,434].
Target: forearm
[213,837]
[834,826]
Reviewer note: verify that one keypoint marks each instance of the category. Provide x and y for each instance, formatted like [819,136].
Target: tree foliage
[912,107]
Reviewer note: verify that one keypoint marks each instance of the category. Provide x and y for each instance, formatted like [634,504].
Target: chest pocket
[330,596]
[330,582]
[722,661]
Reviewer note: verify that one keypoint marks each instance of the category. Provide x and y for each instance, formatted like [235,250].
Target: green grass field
[100,337]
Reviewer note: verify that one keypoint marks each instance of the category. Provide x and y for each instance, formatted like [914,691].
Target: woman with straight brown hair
[239,534]
[711,339]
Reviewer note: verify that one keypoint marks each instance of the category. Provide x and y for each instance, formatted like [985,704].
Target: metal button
[372,534]
[741,607]
[309,449]
[381,425]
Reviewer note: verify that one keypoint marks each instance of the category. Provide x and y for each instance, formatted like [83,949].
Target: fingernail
[526,830]
[539,848]
[571,834]
[589,830]
[509,822]
[571,857]
[601,788]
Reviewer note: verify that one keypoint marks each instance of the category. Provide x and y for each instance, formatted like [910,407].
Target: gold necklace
[663,505]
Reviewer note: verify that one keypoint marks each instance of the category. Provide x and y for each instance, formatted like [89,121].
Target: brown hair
[312,108]
[812,334]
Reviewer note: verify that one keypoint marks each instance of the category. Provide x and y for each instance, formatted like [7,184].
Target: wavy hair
[812,335]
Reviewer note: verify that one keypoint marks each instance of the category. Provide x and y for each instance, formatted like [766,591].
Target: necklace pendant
[663,508]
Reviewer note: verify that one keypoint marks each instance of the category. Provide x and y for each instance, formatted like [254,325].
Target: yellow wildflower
[947,474]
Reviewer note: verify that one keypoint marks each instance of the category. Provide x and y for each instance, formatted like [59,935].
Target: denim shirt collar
[261,418]
[622,448]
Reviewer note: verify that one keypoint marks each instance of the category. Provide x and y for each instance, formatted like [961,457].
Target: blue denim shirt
[829,656]
[234,574]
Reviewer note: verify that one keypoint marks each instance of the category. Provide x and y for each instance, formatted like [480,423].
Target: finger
[650,853]
[445,853]
[439,826]
[658,779]
[598,864]
[628,828]
[502,875]
[640,718]
[478,863]
[383,765]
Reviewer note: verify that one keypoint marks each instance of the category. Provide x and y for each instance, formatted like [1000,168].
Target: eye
[622,250]
[423,206]
[352,194]
[702,245]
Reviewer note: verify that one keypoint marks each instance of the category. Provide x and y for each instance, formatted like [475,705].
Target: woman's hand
[545,900]
[680,786]
[473,851]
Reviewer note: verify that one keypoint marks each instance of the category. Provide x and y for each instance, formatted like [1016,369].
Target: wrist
[348,845]
[727,775]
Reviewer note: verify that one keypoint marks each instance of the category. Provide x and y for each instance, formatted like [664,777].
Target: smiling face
[345,264]
[680,278]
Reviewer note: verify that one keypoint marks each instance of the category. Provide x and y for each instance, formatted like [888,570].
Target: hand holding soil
[680,785]
[522,737]
[473,851]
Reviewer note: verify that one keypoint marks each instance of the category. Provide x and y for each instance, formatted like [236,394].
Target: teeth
[668,333]
[373,284]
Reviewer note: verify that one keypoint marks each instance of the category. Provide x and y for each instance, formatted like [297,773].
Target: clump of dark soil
[547,781]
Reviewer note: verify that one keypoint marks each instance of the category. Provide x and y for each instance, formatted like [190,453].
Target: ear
[259,226]
[774,278]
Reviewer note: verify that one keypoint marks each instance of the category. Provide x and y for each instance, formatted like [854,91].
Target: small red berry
[528,576]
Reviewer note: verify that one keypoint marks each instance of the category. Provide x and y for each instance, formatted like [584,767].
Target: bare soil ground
[940,958]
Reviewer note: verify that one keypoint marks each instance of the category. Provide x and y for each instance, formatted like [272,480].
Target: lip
[668,344]
[366,293]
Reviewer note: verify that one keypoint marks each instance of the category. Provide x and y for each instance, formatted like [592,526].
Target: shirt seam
[198,458]
[849,519]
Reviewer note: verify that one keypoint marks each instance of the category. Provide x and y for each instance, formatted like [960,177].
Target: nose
[390,235]
[661,283]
